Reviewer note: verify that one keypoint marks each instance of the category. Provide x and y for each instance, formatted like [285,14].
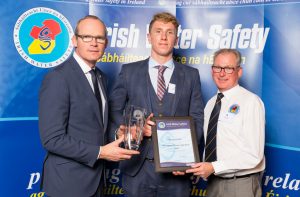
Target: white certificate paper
[175,143]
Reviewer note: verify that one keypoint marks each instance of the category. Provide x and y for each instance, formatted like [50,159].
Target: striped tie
[161,85]
[211,141]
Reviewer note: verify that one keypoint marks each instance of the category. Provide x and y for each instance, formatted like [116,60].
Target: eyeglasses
[227,69]
[89,38]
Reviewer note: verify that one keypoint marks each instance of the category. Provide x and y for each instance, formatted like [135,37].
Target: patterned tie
[211,141]
[161,85]
[96,90]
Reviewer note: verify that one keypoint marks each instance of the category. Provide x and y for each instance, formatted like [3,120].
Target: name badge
[171,88]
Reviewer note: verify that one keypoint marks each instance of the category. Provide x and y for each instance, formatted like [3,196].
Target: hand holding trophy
[134,123]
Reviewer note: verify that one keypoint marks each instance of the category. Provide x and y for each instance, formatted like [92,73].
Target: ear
[176,42]
[74,41]
[106,43]
[149,38]
[240,72]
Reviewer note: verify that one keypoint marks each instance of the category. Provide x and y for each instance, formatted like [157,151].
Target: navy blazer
[71,132]
[133,88]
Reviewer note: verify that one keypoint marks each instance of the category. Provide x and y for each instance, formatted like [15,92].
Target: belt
[236,177]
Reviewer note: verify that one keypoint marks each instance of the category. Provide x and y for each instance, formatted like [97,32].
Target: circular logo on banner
[42,37]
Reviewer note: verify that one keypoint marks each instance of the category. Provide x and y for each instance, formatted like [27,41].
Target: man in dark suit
[73,116]
[171,91]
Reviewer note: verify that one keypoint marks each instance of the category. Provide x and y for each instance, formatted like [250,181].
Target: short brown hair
[233,51]
[165,17]
[89,17]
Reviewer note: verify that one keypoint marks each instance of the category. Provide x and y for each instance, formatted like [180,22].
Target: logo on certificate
[42,37]
[161,125]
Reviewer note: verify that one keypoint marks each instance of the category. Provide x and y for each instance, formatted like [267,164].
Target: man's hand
[112,151]
[203,169]
[178,173]
[120,132]
[147,127]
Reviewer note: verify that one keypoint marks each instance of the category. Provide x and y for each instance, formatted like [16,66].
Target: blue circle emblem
[42,37]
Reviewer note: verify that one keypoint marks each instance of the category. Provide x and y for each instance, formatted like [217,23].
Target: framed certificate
[175,143]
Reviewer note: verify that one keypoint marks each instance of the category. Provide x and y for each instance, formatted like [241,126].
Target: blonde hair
[165,17]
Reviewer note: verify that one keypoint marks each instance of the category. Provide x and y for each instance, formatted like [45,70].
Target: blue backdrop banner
[265,31]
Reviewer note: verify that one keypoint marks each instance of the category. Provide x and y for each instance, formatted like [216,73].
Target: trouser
[148,183]
[246,186]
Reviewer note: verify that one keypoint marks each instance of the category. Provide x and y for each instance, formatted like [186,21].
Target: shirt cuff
[99,152]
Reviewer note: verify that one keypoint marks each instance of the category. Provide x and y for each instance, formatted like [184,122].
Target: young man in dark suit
[165,88]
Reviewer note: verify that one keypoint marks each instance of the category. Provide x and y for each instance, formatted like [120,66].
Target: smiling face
[223,80]
[163,38]
[91,51]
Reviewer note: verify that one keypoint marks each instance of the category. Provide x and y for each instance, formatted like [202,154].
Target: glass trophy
[134,122]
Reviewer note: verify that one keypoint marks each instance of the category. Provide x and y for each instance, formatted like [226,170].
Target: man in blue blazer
[73,117]
[172,91]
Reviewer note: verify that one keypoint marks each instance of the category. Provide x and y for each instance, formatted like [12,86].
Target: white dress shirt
[153,72]
[86,70]
[240,133]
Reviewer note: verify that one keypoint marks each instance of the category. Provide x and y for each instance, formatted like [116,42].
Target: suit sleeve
[197,107]
[117,102]
[54,113]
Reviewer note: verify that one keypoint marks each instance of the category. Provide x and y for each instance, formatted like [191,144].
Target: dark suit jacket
[71,132]
[133,88]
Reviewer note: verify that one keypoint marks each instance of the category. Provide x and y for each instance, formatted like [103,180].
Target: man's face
[163,38]
[223,80]
[91,51]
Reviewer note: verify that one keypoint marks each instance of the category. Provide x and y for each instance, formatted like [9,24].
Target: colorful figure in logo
[44,37]
[234,109]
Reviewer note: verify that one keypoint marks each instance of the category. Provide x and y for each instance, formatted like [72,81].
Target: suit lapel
[86,87]
[103,86]
[146,83]
[178,75]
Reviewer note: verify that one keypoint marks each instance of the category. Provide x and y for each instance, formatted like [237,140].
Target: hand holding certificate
[175,145]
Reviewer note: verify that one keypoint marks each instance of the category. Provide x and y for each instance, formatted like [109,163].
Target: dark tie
[161,85]
[211,141]
[96,90]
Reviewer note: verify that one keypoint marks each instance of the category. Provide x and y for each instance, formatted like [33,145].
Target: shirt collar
[85,68]
[231,92]
[168,64]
